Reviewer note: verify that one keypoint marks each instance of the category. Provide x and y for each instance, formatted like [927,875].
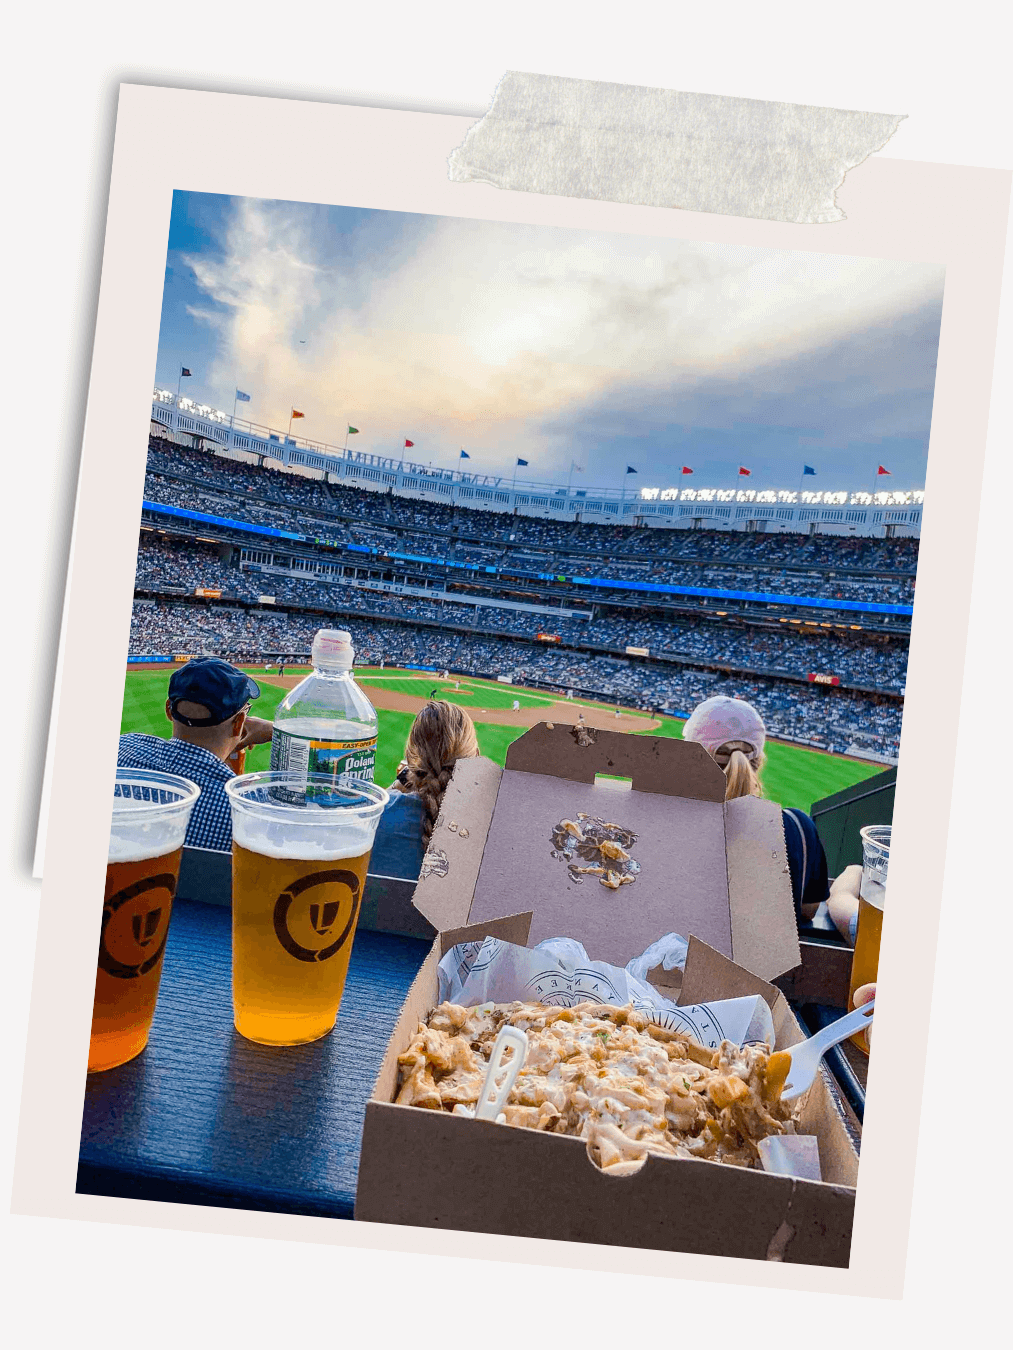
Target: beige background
[302,151]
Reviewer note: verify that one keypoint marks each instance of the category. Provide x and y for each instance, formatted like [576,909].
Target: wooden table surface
[206,1117]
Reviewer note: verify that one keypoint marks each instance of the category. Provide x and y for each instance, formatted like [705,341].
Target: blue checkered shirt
[211,819]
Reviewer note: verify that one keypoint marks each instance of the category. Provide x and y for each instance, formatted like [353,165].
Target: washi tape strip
[659,147]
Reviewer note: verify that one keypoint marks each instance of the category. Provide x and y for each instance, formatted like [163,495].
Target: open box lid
[710,869]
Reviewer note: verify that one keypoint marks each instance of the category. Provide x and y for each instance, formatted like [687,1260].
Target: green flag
[353,431]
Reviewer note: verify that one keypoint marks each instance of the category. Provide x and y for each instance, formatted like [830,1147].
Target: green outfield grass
[793,776]
[472,693]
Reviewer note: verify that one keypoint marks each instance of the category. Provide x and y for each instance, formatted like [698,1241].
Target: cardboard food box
[714,871]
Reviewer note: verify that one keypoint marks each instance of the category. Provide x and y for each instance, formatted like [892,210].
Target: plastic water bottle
[326,724]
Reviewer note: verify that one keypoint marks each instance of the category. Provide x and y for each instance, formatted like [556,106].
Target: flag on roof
[241,397]
[522,463]
[630,468]
[183,371]
[353,431]
[744,473]
[686,469]
[808,469]
[881,471]
[465,455]
[409,445]
[297,413]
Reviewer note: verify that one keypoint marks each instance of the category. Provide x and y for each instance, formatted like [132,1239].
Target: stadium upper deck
[836,512]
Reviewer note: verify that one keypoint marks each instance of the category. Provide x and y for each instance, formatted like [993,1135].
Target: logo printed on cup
[317,917]
[132,921]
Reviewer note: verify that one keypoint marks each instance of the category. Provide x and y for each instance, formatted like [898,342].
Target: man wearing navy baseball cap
[208,706]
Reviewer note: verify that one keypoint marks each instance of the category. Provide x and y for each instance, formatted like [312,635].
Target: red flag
[686,469]
[408,445]
[297,414]
[881,471]
[744,473]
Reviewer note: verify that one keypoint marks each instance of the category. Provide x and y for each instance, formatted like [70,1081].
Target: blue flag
[630,468]
[243,398]
[522,463]
[806,469]
[183,371]
[465,455]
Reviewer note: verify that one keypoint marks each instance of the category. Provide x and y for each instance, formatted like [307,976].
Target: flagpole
[235,403]
[288,437]
[569,481]
[179,385]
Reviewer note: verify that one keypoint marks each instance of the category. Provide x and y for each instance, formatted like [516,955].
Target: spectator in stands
[732,732]
[208,706]
[441,734]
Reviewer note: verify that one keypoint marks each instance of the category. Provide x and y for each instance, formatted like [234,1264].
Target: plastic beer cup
[299,860]
[150,814]
[865,963]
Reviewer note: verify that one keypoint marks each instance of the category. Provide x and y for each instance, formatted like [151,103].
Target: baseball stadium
[525,602]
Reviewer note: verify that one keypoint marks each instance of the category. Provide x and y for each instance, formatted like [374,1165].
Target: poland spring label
[338,760]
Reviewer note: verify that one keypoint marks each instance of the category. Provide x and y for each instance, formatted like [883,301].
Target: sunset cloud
[527,340]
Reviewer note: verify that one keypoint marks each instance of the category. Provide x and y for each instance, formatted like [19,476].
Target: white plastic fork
[806,1056]
[493,1096]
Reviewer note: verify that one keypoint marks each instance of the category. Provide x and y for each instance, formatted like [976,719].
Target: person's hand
[865,993]
[257,731]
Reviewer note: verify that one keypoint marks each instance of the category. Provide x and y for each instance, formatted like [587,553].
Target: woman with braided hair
[441,734]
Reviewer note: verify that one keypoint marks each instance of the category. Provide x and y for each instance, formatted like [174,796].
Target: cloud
[462,332]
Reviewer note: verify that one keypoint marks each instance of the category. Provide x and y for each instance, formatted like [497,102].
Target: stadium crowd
[865,662]
[174,492]
[832,720]
[490,639]
[258,487]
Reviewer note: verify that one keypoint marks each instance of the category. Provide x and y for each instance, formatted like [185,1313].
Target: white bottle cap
[333,650]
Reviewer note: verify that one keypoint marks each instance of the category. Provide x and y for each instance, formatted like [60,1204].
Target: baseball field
[793,776]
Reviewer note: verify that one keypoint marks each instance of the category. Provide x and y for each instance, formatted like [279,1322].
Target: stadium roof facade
[838,511]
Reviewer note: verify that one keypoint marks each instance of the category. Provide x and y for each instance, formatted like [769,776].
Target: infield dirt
[560,711]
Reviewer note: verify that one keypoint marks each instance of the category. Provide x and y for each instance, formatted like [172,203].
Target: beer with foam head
[150,815]
[299,860]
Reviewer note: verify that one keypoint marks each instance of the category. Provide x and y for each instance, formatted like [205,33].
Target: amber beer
[150,815]
[865,963]
[298,872]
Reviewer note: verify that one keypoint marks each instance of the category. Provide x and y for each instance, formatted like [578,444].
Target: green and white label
[337,760]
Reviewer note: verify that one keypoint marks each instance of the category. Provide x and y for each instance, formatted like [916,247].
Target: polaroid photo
[517,612]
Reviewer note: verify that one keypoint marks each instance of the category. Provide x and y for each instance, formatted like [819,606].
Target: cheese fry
[610,1075]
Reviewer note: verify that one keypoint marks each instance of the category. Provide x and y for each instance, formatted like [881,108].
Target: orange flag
[297,414]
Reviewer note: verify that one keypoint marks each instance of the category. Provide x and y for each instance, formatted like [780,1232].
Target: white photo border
[169,139]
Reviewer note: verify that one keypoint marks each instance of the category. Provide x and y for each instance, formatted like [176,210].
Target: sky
[556,346]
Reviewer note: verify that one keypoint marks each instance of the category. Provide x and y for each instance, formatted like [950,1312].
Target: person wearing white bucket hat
[733,734]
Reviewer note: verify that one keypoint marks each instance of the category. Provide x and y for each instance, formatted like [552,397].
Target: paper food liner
[559,972]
